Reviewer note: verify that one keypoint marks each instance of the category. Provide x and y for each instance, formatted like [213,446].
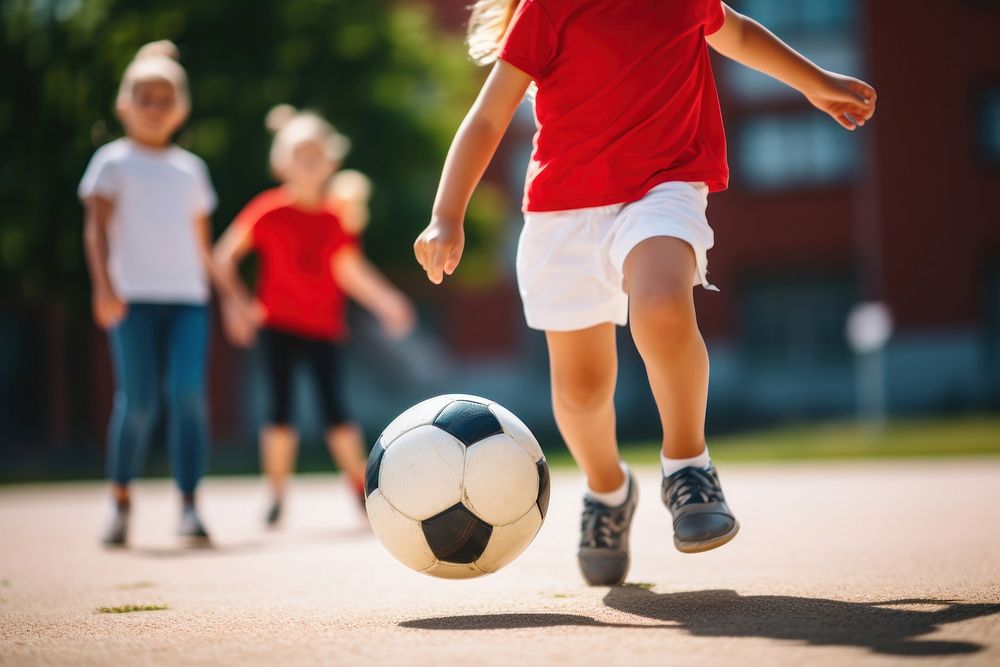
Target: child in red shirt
[630,142]
[309,265]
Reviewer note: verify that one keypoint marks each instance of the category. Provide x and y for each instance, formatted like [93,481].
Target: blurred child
[630,142]
[305,232]
[147,239]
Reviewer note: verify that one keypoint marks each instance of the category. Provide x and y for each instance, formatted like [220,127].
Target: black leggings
[282,351]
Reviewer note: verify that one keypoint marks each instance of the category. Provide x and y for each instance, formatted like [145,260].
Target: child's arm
[203,236]
[239,316]
[848,101]
[366,285]
[108,309]
[439,246]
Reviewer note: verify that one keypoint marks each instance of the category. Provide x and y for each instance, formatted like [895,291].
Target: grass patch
[4,583]
[641,584]
[560,596]
[979,436]
[129,608]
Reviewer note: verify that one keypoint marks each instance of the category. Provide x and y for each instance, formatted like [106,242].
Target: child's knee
[581,391]
[137,412]
[186,400]
[666,306]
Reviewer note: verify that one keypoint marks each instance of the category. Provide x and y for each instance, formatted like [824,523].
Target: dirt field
[849,563]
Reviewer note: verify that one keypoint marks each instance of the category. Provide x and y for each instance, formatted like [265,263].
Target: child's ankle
[671,465]
[615,497]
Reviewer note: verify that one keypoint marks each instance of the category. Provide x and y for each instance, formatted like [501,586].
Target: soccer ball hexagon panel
[457,487]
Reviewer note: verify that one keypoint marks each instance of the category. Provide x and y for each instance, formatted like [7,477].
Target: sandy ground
[861,564]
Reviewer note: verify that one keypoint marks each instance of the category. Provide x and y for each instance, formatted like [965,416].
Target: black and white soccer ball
[456,487]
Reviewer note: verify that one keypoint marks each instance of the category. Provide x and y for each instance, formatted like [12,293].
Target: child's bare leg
[658,275]
[661,311]
[584,367]
[279,445]
[346,446]
[121,494]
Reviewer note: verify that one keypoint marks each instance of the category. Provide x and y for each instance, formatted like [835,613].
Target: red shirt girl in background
[310,263]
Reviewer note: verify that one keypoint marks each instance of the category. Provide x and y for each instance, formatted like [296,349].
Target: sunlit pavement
[859,563]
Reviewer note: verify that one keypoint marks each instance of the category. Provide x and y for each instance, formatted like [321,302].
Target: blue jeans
[159,346]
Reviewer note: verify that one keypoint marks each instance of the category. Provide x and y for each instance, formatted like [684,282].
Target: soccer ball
[456,487]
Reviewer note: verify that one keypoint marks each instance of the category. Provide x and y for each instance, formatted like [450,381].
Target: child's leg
[346,446]
[279,441]
[187,346]
[658,276]
[130,429]
[661,312]
[584,368]
[133,353]
[187,433]
[279,444]
[343,437]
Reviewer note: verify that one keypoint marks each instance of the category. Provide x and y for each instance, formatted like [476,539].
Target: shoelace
[598,525]
[694,485]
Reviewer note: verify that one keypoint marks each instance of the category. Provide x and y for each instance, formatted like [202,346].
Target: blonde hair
[487,27]
[349,192]
[292,128]
[156,61]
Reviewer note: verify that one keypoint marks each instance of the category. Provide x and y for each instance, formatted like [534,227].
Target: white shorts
[569,263]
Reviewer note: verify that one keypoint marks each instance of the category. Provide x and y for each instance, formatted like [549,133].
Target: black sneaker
[191,528]
[273,517]
[603,555]
[702,520]
[116,534]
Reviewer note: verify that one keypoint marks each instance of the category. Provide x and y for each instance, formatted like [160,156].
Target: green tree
[381,71]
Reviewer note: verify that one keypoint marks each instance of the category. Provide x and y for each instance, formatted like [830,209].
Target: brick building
[818,219]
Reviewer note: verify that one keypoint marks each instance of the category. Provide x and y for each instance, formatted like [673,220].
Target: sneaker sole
[610,581]
[706,545]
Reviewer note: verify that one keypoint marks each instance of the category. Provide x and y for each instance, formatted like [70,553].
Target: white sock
[612,498]
[670,466]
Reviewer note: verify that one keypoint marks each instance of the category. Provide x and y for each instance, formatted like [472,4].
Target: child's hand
[108,309]
[239,322]
[398,318]
[439,249]
[849,101]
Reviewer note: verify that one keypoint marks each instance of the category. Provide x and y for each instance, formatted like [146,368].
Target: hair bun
[163,48]
[279,117]
[351,185]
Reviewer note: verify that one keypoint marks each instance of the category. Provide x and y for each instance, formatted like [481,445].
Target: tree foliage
[381,71]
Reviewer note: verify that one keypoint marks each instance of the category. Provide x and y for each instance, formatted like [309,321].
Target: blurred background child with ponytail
[305,232]
[147,239]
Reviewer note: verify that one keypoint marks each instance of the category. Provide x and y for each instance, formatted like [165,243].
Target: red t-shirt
[296,246]
[626,99]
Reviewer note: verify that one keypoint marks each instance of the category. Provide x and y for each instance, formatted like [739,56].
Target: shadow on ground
[188,551]
[891,627]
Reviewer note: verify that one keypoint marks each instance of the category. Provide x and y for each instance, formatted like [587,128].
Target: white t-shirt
[158,195]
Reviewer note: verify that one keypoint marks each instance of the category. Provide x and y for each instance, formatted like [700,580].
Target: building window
[988,126]
[796,322]
[794,150]
[801,16]
[824,30]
